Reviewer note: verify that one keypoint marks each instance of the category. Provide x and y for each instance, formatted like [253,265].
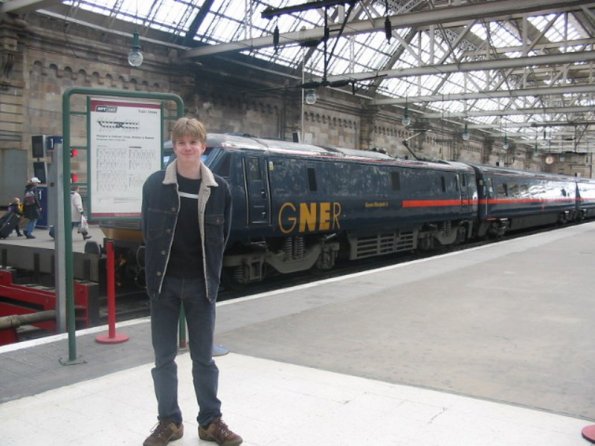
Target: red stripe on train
[446,203]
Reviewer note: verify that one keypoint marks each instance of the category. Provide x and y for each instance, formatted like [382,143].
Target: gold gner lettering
[309,217]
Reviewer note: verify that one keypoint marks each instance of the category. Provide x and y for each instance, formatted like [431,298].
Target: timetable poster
[125,148]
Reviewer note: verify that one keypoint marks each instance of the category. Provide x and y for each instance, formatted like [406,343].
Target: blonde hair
[189,127]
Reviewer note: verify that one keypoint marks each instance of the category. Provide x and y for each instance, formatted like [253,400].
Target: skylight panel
[170,12]
[395,87]
[104,7]
[290,56]
[454,84]
[424,45]
[486,104]
[479,30]
[406,60]
[560,32]
[219,30]
[368,52]
[518,119]
[502,35]
[166,15]
[428,84]
[355,55]
[497,34]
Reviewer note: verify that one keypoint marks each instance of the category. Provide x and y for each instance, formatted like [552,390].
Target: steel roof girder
[23,6]
[493,64]
[524,111]
[539,91]
[484,10]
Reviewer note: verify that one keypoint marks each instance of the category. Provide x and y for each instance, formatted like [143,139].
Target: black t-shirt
[185,258]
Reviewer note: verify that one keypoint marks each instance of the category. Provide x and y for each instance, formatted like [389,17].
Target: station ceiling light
[135,55]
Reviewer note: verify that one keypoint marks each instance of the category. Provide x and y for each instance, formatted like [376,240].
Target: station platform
[43,240]
[490,346]
[38,254]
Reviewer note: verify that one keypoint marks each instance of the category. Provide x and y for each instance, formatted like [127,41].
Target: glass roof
[446,42]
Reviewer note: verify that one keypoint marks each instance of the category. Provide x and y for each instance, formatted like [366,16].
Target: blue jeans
[200,318]
[30,226]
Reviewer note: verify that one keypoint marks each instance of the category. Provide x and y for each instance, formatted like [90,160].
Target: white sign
[124,149]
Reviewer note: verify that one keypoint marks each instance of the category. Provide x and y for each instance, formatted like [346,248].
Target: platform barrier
[29,299]
[588,433]
[112,337]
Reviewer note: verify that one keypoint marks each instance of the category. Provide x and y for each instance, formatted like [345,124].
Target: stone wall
[13,161]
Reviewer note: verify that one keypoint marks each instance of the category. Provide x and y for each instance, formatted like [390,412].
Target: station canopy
[517,69]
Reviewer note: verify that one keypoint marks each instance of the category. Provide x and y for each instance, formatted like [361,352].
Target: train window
[501,190]
[513,190]
[395,181]
[224,165]
[312,179]
[253,168]
[443,184]
[463,180]
[490,187]
[564,192]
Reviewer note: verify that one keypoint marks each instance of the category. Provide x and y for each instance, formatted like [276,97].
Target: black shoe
[29,236]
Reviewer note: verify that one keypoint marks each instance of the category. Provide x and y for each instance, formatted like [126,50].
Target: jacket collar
[208,179]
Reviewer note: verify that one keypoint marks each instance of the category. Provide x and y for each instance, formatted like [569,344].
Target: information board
[124,149]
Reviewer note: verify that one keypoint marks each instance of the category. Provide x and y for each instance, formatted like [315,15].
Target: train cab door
[257,190]
[467,202]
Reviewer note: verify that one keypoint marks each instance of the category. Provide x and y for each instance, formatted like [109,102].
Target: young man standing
[186,213]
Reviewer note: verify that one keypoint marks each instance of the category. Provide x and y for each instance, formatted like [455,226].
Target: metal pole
[59,248]
[111,288]
[64,235]
[303,94]
[112,337]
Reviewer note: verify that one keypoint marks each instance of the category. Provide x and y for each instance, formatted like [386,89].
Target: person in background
[77,211]
[31,206]
[16,207]
[186,217]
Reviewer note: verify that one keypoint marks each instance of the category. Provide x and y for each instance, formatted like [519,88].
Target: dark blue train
[299,206]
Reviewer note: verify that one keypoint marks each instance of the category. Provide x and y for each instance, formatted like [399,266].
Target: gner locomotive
[299,206]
